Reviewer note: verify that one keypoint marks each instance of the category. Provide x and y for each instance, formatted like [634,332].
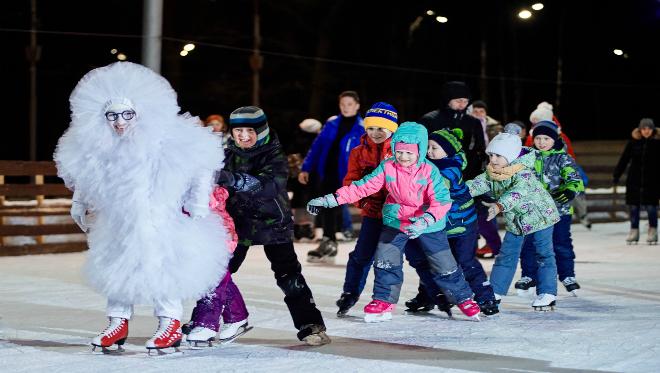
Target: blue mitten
[419,224]
[327,201]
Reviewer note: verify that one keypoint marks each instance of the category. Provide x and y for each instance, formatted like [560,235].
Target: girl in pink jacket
[414,210]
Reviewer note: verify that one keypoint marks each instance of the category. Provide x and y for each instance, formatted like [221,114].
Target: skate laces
[161,332]
[569,281]
[111,330]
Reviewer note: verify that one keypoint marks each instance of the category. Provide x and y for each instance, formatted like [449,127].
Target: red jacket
[363,159]
[569,147]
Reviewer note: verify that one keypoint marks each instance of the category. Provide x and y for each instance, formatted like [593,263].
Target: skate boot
[525,286]
[325,253]
[652,237]
[115,333]
[345,302]
[571,285]
[444,304]
[200,334]
[378,311]
[167,335]
[485,252]
[544,302]
[231,331]
[420,303]
[314,335]
[489,307]
[349,235]
[306,233]
[187,327]
[633,236]
[470,309]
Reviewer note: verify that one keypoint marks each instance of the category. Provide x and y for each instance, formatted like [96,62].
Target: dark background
[314,49]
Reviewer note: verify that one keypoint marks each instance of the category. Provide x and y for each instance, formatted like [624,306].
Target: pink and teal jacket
[412,191]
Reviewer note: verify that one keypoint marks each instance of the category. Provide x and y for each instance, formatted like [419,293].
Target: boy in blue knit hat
[446,153]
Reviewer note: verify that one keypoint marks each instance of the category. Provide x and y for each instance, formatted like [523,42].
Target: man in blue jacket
[328,159]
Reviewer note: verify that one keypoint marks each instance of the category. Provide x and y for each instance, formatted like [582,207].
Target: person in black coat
[255,174]
[452,114]
[643,181]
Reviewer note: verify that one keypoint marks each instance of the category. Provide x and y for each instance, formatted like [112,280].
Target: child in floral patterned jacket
[529,211]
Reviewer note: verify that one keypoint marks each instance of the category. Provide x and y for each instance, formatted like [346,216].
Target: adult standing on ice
[133,163]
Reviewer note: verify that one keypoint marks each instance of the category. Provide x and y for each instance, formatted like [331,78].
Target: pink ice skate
[470,309]
[378,311]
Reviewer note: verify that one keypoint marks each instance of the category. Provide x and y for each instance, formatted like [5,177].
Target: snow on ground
[48,316]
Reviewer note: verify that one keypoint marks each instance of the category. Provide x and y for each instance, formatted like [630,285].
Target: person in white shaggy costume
[142,176]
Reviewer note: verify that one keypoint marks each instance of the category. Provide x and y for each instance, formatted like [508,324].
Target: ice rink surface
[48,317]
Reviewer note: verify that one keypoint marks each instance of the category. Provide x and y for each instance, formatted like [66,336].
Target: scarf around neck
[505,172]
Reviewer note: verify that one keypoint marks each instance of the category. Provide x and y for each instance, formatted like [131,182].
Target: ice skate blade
[106,351]
[377,317]
[196,344]
[549,307]
[318,339]
[631,242]
[240,332]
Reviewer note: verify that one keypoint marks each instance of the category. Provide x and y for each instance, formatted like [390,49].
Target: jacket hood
[527,157]
[637,134]
[412,133]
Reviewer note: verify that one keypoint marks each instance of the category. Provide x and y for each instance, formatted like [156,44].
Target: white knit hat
[505,144]
[543,112]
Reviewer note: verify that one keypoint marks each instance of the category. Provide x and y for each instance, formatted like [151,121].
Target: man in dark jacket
[452,114]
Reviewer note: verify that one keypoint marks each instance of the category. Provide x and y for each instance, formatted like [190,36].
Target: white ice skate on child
[201,335]
[378,311]
[231,331]
[544,302]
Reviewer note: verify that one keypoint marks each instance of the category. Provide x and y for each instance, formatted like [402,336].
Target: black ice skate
[524,285]
[571,285]
[444,305]
[325,253]
[345,302]
[420,303]
[633,237]
[544,302]
[489,307]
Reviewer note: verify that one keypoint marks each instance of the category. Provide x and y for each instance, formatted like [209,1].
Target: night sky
[315,49]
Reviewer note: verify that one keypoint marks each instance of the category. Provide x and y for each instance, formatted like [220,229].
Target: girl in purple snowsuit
[226,299]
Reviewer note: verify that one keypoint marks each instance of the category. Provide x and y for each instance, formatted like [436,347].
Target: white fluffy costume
[141,246]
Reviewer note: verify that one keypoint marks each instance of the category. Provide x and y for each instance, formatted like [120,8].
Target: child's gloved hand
[494,208]
[563,196]
[327,201]
[419,224]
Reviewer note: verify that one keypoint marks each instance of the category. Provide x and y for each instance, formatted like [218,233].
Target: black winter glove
[226,178]
[564,196]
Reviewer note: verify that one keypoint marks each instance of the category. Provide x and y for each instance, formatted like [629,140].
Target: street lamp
[441,19]
[537,6]
[183,53]
[618,52]
[189,47]
[524,14]
[430,13]
[121,57]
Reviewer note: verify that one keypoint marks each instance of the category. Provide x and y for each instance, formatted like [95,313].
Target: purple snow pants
[226,300]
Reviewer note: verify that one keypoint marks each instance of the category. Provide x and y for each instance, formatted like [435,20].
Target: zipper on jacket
[281,211]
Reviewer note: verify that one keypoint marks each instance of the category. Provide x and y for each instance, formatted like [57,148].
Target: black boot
[443,304]
[420,303]
[489,307]
[345,302]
